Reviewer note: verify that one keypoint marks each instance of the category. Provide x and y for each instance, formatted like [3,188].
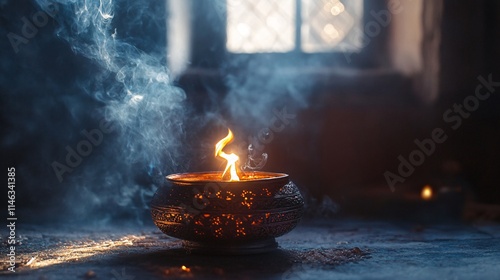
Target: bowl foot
[245,248]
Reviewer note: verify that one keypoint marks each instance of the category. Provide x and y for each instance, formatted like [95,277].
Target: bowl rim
[175,178]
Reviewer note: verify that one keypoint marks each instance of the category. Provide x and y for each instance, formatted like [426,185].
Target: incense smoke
[134,92]
[105,60]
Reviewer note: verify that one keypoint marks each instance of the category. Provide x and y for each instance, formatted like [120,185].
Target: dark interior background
[347,133]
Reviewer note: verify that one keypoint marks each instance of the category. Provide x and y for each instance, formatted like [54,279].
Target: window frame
[208,49]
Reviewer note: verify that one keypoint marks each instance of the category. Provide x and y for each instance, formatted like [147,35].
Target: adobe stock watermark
[74,156]
[373,28]
[11,240]
[454,116]
[30,26]
[200,200]
[256,144]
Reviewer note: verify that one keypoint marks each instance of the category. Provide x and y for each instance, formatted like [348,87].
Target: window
[293,25]
[309,33]
[333,44]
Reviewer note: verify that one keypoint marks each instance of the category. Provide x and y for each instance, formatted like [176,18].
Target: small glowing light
[186,269]
[337,9]
[426,193]
[331,31]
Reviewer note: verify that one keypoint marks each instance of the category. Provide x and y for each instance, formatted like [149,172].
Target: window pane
[260,26]
[329,25]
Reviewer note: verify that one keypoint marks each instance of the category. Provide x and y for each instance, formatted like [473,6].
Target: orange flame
[231,158]
[426,193]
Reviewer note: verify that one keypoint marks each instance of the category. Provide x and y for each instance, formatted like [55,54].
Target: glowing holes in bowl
[247,198]
[218,195]
[218,232]
[267,192]
[227,225]
[230,195]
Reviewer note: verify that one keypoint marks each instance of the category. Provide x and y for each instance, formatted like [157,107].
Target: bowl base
[247,248]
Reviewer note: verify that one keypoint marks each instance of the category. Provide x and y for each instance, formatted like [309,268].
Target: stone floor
[319,249]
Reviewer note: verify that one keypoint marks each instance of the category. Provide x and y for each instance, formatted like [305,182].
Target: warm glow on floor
[76,251]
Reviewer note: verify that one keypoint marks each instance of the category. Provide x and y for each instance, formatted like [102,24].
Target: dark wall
[471,48]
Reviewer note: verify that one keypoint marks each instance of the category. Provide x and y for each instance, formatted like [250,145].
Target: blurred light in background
[272,26]
[260,26]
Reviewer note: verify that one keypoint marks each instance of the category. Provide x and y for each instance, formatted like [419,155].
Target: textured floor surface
[318,249]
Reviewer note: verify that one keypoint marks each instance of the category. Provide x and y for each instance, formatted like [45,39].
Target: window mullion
[298,26]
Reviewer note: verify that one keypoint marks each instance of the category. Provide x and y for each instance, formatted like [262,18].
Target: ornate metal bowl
[216,216]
